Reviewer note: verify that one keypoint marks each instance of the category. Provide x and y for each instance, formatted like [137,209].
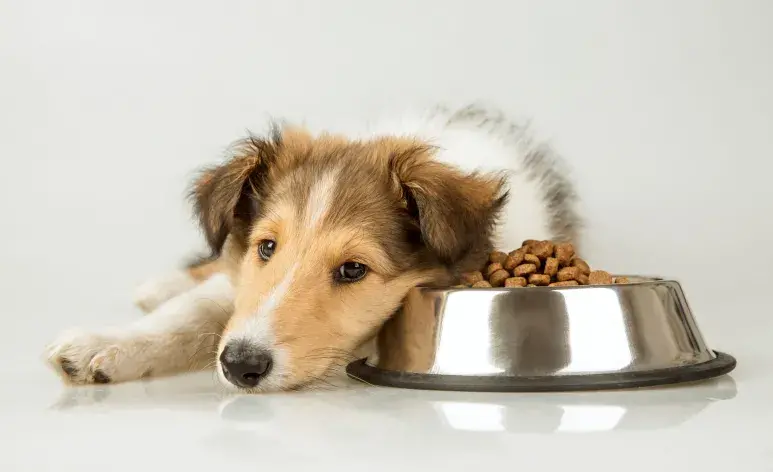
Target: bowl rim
[649,280]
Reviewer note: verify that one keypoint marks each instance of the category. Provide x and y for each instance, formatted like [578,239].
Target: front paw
[81,357]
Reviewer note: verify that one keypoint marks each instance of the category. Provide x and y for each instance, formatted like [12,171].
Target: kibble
[599,277]
[497,257]
[493,267]
[581,264]
[542,249]
[539,279]
[567,283]
[551,266]
[498,278]
[511,262]
[472,277]
[524,269]
[515,282]
[520,252]
[568,273]
[532,259]
[564,253]
[537,264]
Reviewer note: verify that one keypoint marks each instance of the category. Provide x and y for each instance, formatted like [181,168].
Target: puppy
[316,239]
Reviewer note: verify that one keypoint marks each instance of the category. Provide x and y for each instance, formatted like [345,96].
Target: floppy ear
[456,211]
[226,197]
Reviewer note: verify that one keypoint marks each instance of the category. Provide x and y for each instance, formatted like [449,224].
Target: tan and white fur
[407,202]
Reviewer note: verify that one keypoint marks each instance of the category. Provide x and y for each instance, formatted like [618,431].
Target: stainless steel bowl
[543,339]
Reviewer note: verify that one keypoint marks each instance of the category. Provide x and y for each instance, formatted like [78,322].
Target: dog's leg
[155,291]
[180,335]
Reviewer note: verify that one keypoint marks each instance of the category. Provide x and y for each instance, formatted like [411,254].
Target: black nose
[244,365]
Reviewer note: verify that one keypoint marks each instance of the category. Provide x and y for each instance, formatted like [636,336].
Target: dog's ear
[226,198]
[455,211]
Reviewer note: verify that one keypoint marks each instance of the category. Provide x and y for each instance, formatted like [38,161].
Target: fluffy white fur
[157,290]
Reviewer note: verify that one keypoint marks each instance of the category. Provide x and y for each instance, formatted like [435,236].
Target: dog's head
[330,235]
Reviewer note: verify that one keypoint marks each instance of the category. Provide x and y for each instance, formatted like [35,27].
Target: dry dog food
[538,264]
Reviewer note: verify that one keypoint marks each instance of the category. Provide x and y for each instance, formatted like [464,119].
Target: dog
[316,238]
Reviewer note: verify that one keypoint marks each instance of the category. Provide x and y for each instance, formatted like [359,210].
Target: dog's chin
[334,376]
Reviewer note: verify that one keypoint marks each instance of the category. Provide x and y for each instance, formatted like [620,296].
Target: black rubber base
[720,365]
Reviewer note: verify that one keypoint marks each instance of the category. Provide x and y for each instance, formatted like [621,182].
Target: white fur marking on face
[257,328]
[320,197]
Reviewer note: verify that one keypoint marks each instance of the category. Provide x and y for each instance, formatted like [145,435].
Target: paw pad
[101,378]
[68,367]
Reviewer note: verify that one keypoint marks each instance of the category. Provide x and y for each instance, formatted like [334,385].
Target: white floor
[663,109]
[185,424]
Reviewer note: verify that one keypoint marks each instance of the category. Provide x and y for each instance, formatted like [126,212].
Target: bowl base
[720,365]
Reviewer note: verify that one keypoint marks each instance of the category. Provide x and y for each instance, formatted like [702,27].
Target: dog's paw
[81,357]
[155,291]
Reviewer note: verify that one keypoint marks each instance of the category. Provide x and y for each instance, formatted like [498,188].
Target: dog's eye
[351,272]
[266,249]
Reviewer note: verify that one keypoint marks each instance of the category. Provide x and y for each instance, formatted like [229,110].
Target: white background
[664,110]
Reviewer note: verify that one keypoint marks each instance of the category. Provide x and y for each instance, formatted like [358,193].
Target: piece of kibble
[515,282]
[532,259]
[539,279]
[599,277]
[564,253]
[581,264]
[520,251]
[497,257]
[470,278]
[622,280]
[481,284]
[524,269]
[528,243]
[459,286]
[551,266]
[542,249]
[566,283]
[512,261]
[583,279]
[531,285]
[493,267]
[567,273]
[497,279]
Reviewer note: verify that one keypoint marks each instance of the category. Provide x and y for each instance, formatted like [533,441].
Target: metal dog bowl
[543,339]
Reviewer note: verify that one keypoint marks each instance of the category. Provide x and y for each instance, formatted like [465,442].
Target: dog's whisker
[202,345]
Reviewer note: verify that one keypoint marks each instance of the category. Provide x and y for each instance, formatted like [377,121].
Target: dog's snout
[244,365]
